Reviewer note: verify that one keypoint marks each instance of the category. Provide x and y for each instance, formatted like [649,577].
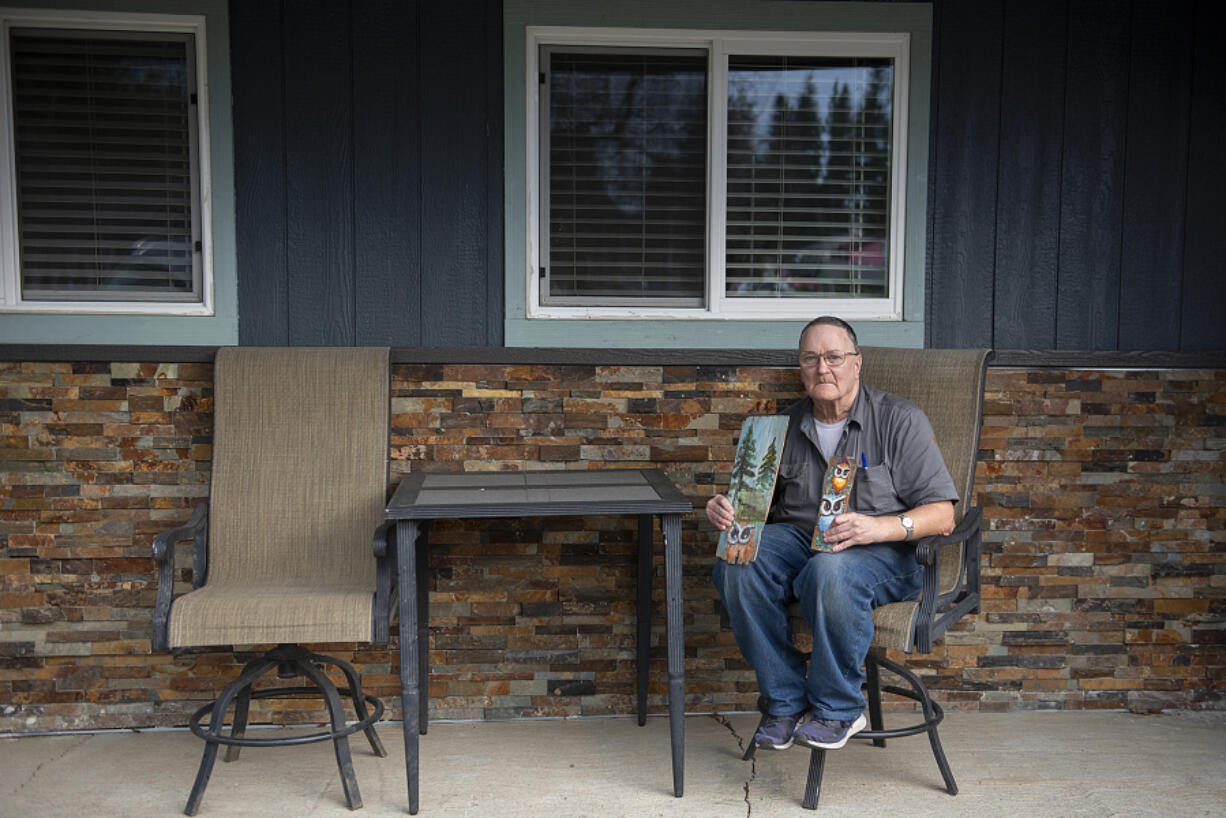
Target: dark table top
[423,496]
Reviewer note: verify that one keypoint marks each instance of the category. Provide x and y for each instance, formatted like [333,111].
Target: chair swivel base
[290,661]
[933,714]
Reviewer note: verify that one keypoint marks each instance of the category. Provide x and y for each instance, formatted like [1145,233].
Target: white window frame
[719,45]
[10,269]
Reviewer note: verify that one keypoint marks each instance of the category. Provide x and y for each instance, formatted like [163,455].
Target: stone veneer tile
[1104,556]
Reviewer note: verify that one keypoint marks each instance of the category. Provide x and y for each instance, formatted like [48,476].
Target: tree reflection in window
[808,176]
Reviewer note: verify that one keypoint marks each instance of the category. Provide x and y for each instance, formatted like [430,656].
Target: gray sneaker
[827,734]
[776,732]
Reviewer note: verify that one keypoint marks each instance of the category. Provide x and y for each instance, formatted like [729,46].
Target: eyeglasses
[833,358]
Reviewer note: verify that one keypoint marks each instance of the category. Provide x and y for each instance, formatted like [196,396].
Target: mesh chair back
[948,385]
[299,484]
[299,463]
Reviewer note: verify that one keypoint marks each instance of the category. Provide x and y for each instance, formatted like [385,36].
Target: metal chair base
[933,714]
[290,661]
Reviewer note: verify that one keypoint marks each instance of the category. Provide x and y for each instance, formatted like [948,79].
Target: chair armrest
[384,546]
[383,534]
[928,550]
[195,529]
[190,530]
[965,598]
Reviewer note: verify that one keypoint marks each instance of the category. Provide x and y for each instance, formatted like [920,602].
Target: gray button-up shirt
[899,465]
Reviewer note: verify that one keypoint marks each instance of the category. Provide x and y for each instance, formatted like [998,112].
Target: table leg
[643,614]
[675,631]
[410,676]
[423,627]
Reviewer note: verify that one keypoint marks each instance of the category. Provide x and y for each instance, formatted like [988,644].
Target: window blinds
[808,176]
[624,155]
[105,135]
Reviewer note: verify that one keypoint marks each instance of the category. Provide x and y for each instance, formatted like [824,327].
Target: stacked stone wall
[1102,490]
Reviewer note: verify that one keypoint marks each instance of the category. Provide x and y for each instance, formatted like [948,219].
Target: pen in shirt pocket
[863,461]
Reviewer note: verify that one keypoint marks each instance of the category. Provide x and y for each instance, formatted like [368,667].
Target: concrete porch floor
[1023,763]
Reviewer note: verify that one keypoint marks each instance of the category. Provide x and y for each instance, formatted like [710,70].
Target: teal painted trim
[220,328]
[915,236]
[749,15]
[678,334]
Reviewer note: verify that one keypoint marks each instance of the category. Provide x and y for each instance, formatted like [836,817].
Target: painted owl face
[833,505]
[738,533]
[740,546]
[839,475]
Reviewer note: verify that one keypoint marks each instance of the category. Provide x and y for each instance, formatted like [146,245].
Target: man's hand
[852,529]
[719,511]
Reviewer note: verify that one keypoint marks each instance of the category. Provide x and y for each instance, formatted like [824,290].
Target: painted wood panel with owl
[836,498]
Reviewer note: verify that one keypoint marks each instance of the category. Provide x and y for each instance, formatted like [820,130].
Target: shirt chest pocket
[795,484]
[874,491]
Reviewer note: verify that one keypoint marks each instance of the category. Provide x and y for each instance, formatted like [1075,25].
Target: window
[714,175]
[104,191]
[624,166]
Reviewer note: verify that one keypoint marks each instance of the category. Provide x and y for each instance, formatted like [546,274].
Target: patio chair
[282,550]
[948,386]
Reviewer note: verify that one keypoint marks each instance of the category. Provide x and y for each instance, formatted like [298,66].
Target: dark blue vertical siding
[259,171]
[319,173]
[966,132]
[387,173]
[1074,173]
[368,142]
[1204,263]
[454,161]
[1092,175]
[1105,231]
[1027,231]
[1156,175]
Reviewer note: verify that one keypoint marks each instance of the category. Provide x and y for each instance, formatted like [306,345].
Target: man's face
[823,383]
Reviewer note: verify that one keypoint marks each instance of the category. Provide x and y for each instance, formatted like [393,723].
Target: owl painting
[836,498]
[832,506]
[840,472]
[739,548]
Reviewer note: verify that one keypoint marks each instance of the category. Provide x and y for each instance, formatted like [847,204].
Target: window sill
[756,310]
[108,308]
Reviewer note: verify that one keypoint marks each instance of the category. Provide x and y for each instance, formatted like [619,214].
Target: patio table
[646,493]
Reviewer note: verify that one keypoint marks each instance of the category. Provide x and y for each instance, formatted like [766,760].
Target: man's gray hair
[830,320]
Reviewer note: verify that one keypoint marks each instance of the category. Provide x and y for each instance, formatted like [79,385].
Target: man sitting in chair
[901,492]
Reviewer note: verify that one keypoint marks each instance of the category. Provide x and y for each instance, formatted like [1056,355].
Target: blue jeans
[837,594]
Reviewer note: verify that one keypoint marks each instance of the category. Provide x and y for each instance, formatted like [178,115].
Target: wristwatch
[908,524]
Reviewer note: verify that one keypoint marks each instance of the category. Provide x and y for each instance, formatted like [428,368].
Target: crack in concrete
[753,762]
[59,756]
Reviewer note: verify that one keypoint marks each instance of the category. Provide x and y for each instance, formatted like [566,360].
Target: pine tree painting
[751,486]
[767,468]
[744,467]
